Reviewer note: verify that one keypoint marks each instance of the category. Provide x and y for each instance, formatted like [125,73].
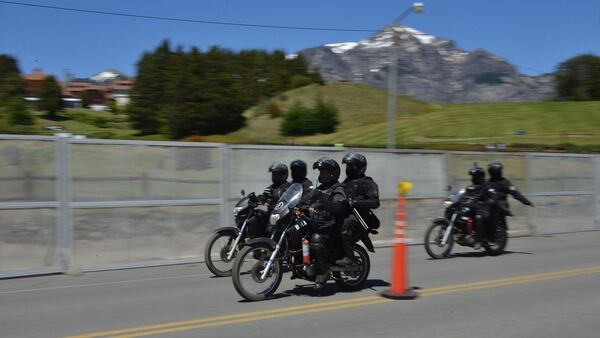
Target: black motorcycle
[259,266]
[226,242]
[457,225]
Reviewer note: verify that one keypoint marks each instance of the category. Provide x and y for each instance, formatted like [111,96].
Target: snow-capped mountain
[108,76]
[429,68]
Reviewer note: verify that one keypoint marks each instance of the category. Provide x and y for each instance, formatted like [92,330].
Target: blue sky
[535,35]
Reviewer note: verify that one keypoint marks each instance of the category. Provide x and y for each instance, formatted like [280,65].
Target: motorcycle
[457,225]
[258,268]
[226,242]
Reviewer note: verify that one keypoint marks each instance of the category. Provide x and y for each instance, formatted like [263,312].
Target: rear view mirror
[243,193]
[448,188]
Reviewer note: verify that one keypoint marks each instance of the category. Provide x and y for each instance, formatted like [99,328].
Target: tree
[142,119]
[18,114]
[11,82]
[578,78]
[86,99]
[195,93]
[298,121]
[50,97]
[328,115]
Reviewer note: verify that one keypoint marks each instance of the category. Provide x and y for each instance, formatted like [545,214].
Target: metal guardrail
[231,167]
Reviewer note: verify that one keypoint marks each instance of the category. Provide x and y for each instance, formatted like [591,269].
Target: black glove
[268,192]
[351,203]
[318,195]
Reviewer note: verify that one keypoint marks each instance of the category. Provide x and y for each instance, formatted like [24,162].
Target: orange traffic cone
[399,289]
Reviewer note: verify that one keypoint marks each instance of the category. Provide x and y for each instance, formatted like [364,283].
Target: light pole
[416,7]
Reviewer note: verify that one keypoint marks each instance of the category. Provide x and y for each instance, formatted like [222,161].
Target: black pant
[257,225]
[322,247]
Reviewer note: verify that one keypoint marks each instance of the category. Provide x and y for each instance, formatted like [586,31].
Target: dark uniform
[499,188]
[363,195]
[257,225]
[298,169]
[328,207]
[476,198]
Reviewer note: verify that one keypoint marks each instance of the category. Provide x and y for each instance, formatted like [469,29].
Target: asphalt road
[543,287]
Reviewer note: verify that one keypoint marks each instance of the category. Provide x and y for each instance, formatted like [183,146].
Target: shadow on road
[476,254]
[331,288]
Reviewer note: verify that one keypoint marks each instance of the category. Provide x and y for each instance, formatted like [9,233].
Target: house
[33,83]
[99,94]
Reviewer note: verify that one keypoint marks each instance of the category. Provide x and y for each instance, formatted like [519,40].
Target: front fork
[237,241]
[273,255]
[448,231]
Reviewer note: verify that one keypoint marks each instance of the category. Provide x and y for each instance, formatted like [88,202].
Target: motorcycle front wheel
[247,271]
[216,252]
[433,241]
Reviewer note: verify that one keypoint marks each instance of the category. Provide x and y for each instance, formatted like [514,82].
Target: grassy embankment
[572,126]
[363,112]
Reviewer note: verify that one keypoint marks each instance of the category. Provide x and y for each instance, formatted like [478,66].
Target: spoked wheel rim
[248,271]
[356,278]
[217,253]
[433,241]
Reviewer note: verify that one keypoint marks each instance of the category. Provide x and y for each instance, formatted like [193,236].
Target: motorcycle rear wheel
[433,241]
[352,281]
[247,269]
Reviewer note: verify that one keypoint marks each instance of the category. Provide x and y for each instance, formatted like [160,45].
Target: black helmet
[298,169]
[356,165]
[477,174]
[329,169]
[279,172]
[495,170]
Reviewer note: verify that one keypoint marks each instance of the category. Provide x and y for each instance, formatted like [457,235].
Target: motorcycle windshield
[290,198]
[242,203]
[456,197]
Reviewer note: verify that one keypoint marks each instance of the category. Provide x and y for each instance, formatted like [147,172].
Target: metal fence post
[531,213]
[225,185]
[64,217]
[597,191]
[446,170]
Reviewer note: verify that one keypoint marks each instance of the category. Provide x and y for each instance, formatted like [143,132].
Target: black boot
[296,260]
[320,281]
[348,245]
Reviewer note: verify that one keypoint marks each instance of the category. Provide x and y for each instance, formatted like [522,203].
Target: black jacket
[505,188]
[276,192]
[330,204]
[363,192]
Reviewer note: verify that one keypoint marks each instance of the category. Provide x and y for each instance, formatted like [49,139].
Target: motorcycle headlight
[237,210]
[274,219]
[447,203]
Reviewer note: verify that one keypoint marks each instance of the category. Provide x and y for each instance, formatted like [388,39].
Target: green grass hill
[363,114]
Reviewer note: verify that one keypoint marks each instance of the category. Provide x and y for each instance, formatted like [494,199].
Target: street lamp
[417,7]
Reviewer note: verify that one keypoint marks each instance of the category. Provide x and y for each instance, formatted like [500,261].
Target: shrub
[18,114]
[274,109]
[300,120]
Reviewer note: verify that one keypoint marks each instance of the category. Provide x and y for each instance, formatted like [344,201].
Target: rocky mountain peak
[429,68]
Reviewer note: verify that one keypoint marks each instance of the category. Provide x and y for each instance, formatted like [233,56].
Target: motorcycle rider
[279,174]
[298,169]
[363,195]
[499,187]
[476,192]
[328,207]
